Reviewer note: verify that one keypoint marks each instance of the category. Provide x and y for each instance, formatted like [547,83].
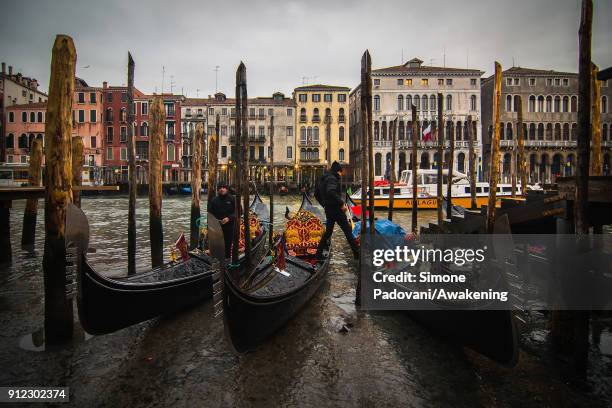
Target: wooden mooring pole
[494,168]
[392,176]
[520,138]
[28,235]
[156,138]
[440,136]
[213,161]
[242,83]
[196,184]
[472,162]
[271,235]
[597,169]
[132,186]
[58,190]
[415,166]
[77,168]
[451,164]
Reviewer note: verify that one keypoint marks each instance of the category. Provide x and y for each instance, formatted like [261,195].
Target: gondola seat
[303,233]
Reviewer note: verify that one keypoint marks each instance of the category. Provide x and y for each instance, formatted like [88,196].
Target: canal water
[329,355]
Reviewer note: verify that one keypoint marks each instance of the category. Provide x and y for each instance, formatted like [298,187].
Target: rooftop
[34,105]
[322,87]
[415,67]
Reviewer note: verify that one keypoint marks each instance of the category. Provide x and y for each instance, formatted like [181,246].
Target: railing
[257,139]
[302,119]
[341,119]
[430,144]
[316,119]
[309,159]
[309,143]
[541,143]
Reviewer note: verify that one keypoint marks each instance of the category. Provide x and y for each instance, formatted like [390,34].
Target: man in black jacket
[223,207]
[328,192]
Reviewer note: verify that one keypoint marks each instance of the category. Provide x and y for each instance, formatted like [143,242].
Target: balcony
[310,143]
[257,139]
[187,114]
[543,143]
[316,119]
[341,119]
[108,118]
[309,160]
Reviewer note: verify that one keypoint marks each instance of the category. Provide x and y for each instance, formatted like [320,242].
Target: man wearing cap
[223,208]
[329,196]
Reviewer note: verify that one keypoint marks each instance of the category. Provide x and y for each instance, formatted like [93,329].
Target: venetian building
[322,123]
[259,114]
[550,105]
[87,112]
[394,90]
[193,112]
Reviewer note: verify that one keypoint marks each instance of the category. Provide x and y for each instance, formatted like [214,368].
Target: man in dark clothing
[328,191]
[223,208]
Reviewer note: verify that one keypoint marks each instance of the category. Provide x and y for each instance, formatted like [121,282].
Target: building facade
[322,123]
[87,123]
[15,89]
[394,91]
[550,114]
[260,112]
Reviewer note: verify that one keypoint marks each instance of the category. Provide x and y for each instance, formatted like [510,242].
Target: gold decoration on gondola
[255,229]
[303,233]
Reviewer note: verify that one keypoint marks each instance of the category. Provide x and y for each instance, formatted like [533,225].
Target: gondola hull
[249,320]
[107,304]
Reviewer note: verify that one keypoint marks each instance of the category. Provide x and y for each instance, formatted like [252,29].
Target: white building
[394,90]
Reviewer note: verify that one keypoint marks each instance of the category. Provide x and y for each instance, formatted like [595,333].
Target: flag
[181,245]
[427,133]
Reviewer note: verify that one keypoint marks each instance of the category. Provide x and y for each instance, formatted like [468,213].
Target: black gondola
[256,306]
[109,304]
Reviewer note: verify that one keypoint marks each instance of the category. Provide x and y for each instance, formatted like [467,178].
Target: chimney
[3,68]
[10,70]
[104,85]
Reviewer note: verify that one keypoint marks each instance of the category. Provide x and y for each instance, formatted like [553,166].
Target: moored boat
[258,304]
[427,191]
[108,304]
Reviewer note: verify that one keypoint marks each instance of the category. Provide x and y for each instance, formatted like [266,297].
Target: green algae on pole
[156,137]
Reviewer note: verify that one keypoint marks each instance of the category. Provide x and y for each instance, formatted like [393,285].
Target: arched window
[604,132]
[400,130]
[473,103]
[376,102]
[502,131]
[540,131]
[517,102]
[24,117]
[10,141]
[574,105]
[424,161]
[409,102]
[315,154]
[458,131]
[557,131]
[509,131]
[315,134]
[509,103]
[376,131]
[315,114]
[549,104]
[461,162]
[40,117]
[303,135]
[109,114]
[424,102]
[302,154]
[566,103]
[384,130]
[30,140]
[540,104]
[532,131]
[341,154]
[557,103]
[417,102]
[566,131]
[532,103]
[341,133]
[449,129]
[378,164]
[170,152]
[11,117]
[574,131]
[432,102]
[144,129]
[549,131]
[449,102]
[604,104]
[340,114]
[303,115]
[123,116]
[23,141]
[32,117]
[309,134]
[400,102]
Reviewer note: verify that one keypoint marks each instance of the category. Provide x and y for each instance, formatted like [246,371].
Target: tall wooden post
[213,161]
[28,235]
[440,132]
[415,172]
[520,138]
[77,167]
[366,130]
[58,190]
[132,186]
[451,164]
[392,180]
[597,169]
[196,184]
[581,203]
[156,146]
[371,173]
[472,163]
[494,169]
[271,236]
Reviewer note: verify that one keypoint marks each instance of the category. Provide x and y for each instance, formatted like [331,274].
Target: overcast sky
[283,41]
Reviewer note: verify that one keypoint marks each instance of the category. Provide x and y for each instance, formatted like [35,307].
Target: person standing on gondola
[328,194]
[222,207]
